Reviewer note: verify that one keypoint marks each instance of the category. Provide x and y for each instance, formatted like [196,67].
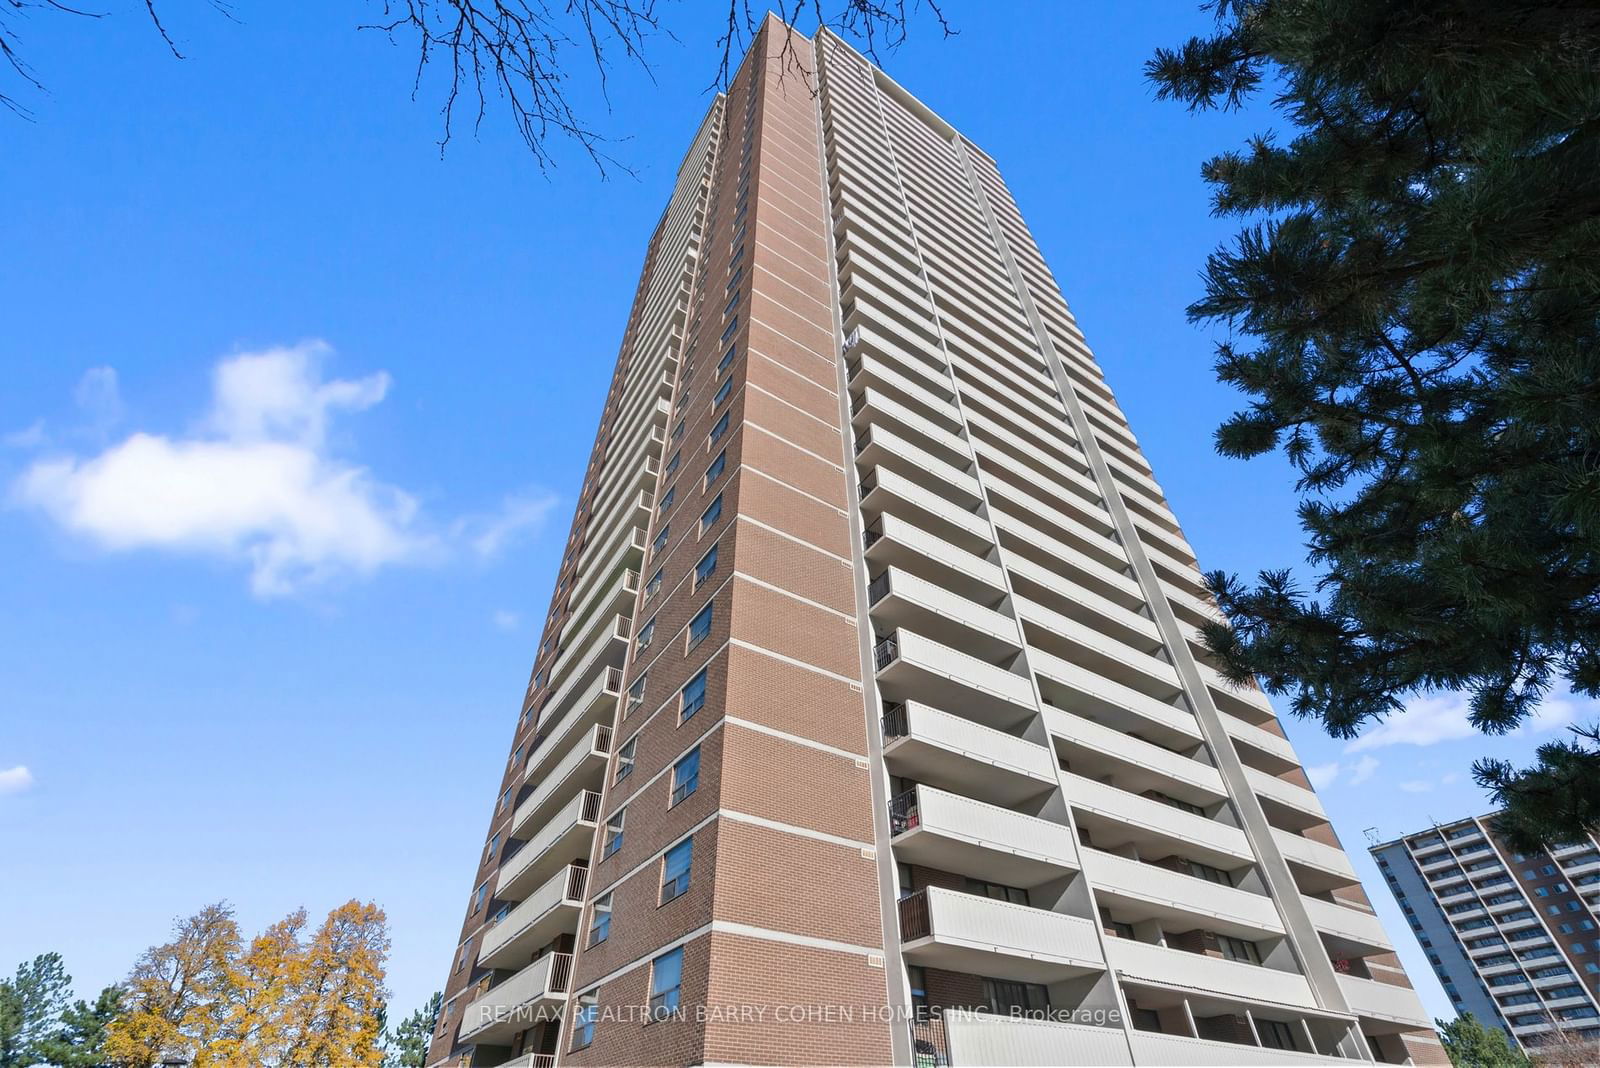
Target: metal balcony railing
[591,806]
[895,722]
[914,922]
[878,588]
[577,879]
[863,439]
[930,1047]
[887,651]
[867,486]
[870,536]
[903,812]
[560,973]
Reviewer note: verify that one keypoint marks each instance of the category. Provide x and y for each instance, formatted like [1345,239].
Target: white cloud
[519,514]
[15,780]
[255,482]
[1322,776]
[506,620]
[29,437]
[1362,770]
[1443,717]
[100,397]
[1416,786]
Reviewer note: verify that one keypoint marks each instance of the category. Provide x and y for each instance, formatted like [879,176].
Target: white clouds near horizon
[256,482]
[15,780]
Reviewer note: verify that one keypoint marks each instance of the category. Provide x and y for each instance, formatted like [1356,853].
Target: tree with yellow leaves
[280,1001]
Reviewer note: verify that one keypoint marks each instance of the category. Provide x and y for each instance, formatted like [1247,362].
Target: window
[719,429]
[613,840]
[600,921]
[505,798]
[677,431]
[727,359]
[1008,998]
[1548,869]
[672,464]
[654,585]
[714,471]
[706,567]
[478,896]
[675,870]
[1574,906]
[491,849]
[1275,1034]
[583,1020]
[1209,874]
[1238,949]
[463,954]
[728,331]
[738,276]
[712,513]
[722,392]
[699,627]
[661,540]
[685,776]
[646,633]
[636,693]
[625,758]
[666,500]
[694,696]
[666,978]
[997,891]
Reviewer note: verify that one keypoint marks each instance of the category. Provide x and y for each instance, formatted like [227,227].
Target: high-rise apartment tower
[1512,936]
[871,692]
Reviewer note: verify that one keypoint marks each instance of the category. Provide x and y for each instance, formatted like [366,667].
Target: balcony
[1398,1007]
[1139,764]
[1289,804]
[550,910]
[920,669]
[594,706]
[581,767]
[901,599]
[1139,891]
[1267,748]
[927,745]
[1316,866]
[958,834]
[565,837]
[882,489]
[1115,818]
[1355,932]
[982,1038]
[1099,697]
[878,447]
[892,540]
[878,409]
[1145,963]
[536,993]
[959,932]
[1151,1048]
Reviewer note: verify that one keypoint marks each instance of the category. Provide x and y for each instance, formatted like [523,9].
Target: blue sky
[255,260]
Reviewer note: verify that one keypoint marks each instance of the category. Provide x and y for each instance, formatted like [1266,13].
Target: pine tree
[79,1041]
[1414,309]
[1472,1045]
[31,1003]
[407,1045]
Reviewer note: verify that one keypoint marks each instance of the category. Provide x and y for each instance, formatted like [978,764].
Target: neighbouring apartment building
[871,722]
[1512,936]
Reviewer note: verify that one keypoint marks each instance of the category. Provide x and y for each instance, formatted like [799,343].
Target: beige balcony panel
[984,1038]
[957,754]
[872,407]
[1061,557]
[902,599]
[920,669]
[1177,1051]
[1108,656]
[537,992]
[889,491]
[1317,866]
[1108,700]
[899,542]
[549,911]
[582,767]
[594,705]
[602,644]
[1075,601]
[1274,747]
[1159,966]
[877,446]
[1384,1003]
[1117,818]
[1358,931]
[893,379]
[960,932]
[1090,746]
[969,837]
[1290,796]
[1180,902]
[567,836]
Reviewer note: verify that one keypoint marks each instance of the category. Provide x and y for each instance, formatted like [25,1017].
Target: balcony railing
[914,922]
[930,1046]
[895,723]
[870,536]
[877,590]
[903,812]
[886,651]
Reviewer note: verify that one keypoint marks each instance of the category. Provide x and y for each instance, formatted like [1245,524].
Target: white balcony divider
[1161,966]
[1211,905]
[982,1038]
[1385,1001]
